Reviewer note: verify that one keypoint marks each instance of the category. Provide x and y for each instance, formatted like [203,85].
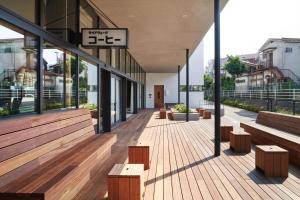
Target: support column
[124,99]
[40,70]
[178,71]
[217,6]
[135,98]
[106,102]
[187,86]
[99,105]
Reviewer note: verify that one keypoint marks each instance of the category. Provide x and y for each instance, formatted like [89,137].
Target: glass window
[88,19]
[53,59]
[18,65]
[88,83]
[26,10]
[128,63]
[58,17]
[115,56]
[70,70]
[122,60]
[88,89]
[132,68]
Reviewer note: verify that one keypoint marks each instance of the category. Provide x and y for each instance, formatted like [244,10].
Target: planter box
[177,116]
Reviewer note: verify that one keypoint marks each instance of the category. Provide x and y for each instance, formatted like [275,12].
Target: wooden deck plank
[182,165]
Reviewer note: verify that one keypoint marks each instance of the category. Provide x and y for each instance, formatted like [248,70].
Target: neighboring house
[283,53]
[248,59]
[279,62]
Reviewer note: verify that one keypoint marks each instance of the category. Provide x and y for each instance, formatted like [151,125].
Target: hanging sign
[105,37]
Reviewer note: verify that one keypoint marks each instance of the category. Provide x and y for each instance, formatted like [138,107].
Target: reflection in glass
[53,59]
[115,55]
[128,58]
[88,90]
[17,70]
[70,70]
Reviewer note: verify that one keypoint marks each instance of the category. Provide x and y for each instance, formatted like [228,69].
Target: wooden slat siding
[262,137]
[49,165]
[280,121]
[15,174]
[15,149]
[18,136]
[24,122]
[21,159]
[65,174]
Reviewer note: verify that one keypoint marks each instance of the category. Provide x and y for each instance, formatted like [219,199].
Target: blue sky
[247,24]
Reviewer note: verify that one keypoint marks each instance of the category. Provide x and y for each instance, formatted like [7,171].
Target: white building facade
[283,53]
[169,81]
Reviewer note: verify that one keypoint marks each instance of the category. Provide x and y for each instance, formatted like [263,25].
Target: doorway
[115,99]
[158,96]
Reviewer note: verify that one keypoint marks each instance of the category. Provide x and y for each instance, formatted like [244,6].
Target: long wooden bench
[276,129]
[50,156]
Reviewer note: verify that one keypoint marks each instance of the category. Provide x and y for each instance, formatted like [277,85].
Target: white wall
[169,80]
[196,77]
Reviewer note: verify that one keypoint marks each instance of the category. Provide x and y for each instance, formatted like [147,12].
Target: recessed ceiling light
[184,16]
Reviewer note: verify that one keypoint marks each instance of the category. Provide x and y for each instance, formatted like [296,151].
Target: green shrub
[181,108]
[242,105]
[4,112]
[90,106]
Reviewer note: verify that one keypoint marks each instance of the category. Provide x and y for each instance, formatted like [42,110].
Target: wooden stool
[126,181]
[162,113]
[139,154]
[225,132]
[272,160]
[240,141]
[201,112]
[206,115]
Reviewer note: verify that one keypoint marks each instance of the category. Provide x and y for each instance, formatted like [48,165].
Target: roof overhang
[160,31]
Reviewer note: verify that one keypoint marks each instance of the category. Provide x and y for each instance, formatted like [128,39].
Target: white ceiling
[160,30]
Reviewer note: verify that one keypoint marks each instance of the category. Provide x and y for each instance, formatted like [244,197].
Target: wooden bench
[162,113]
[139,154]
[272,160]
[50,156]
[240,141]
[206,114]
[126,181]
[277,129]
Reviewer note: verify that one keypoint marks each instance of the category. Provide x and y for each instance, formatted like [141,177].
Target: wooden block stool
[162,113]
[240,141]
[139,154]
[206,115]
[201,112]
[225,132]
[126,181]
[272,160]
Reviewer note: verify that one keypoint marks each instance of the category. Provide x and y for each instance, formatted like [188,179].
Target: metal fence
[282,94]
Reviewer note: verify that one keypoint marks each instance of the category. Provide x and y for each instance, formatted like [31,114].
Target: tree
[234,66]
[208,82]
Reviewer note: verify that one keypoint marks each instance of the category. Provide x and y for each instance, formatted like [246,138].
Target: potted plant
[180,110]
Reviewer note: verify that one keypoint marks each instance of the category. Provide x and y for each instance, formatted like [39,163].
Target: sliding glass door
[115,99]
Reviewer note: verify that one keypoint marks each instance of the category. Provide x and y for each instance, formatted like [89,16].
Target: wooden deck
[183,167]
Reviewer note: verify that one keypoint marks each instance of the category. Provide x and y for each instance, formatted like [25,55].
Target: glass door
[115,99]
[118,100]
